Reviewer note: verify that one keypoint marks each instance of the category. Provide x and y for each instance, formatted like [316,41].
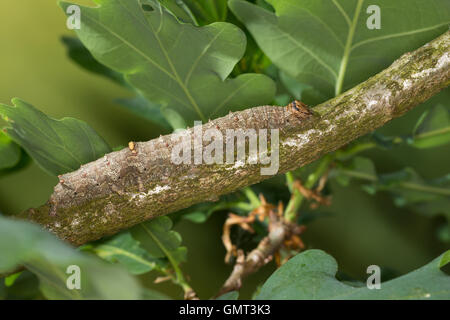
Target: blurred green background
[361,230]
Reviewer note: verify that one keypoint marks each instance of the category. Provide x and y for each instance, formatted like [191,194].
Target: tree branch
[141,182]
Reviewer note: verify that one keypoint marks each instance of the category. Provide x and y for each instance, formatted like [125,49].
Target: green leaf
[364,165]
[327,44]
[175,120]
[301,91]
[178,8]
[149,294]
[127,251]
[445,259]
[23,243]
[435,207]
[58,146]
[138,105]
[199,213]
[9,152]
[208,11]
[360,167]
[179,66]
[408,187]
[25,287]
[233,295]
[9,280]
[159,240]
[145,109]
[433,128]
[196,216]
[311,275]
[83,58]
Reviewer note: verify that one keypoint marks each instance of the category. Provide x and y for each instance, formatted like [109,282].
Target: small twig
[190,295]
[310,194]
[255,259]
[244,222]
[297,197]
[281,233]
[162,279]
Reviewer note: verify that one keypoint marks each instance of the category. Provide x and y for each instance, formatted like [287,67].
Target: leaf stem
[347,49]
[180,280]
[252,197]
[290,181]
[432,133]
[405,185]
[344,154]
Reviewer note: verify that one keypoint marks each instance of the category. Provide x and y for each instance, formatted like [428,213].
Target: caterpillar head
[299,109]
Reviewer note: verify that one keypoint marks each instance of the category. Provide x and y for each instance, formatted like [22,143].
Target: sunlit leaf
[9,280]
[25,287]
[9,152]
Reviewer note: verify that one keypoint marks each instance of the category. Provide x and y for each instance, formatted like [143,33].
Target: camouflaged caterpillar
[287,118]
[299,109]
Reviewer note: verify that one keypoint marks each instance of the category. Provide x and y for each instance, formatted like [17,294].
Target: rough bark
[140,182]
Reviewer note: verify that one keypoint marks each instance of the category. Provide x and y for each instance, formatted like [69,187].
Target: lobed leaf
[128,252]
[179,66]
[58,146]
[157,237]
[137,105]
[78,53]
[145,109]
[327,44]
[311,275]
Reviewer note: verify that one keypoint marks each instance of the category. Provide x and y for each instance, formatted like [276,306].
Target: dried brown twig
[281,233]
[315,194]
